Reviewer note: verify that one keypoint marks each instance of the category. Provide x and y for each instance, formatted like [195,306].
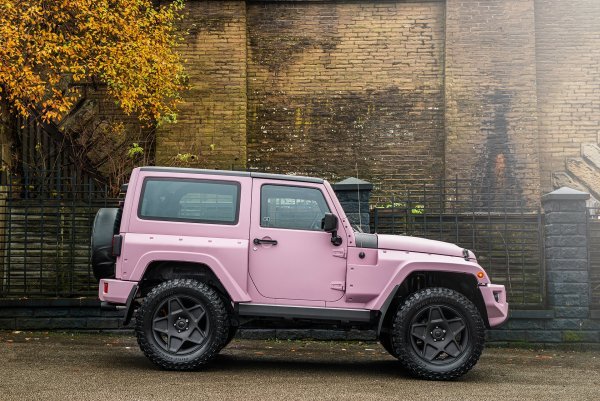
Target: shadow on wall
[497,176]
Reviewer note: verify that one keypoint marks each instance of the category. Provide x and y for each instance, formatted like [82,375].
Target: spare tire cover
[103,261]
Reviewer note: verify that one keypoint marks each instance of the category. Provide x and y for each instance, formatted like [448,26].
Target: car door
[291,257]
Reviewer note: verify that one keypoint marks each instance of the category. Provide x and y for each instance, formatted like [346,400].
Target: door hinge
[339,253]
[338,285]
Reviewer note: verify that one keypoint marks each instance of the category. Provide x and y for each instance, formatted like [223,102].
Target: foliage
[135,150]
[52,48]
[415,209]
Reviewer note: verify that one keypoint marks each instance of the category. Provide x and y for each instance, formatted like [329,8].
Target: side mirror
[329,223]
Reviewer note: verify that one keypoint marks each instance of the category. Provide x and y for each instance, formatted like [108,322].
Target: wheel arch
[463,283]
[159,271]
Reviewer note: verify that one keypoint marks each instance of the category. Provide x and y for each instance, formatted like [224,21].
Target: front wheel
[182,324]
[438,334]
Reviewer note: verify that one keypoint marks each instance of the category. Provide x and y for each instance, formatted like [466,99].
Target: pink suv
[197,253]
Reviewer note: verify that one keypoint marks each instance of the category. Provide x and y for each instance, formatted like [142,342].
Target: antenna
[358,197]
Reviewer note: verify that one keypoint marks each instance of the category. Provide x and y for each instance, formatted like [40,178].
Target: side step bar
[304,312]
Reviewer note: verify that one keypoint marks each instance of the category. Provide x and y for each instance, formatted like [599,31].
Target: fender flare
[236,293]
[384,308]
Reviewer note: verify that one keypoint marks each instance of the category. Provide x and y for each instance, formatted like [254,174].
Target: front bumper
[494,297]
[115,291]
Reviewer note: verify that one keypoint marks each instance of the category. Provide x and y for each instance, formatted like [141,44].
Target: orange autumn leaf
[51,48]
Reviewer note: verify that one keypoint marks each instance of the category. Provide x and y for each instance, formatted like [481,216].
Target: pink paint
[497,310]
[118,290]
[304,268]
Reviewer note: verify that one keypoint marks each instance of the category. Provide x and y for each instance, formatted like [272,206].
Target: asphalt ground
[76,366]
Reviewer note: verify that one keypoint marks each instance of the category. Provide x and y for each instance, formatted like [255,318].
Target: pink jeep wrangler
[197,253]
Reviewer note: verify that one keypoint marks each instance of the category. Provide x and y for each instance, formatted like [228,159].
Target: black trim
[304,312]
[107,306]
[198,221]
[232,173]
[129,305]
[287,177]
[117,245]
[364,240]
[385,307]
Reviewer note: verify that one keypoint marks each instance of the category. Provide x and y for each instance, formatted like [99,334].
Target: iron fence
[503,230]
[46,220]
[45,229]
[594,256]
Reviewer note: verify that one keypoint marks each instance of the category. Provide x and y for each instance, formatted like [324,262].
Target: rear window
[196,201]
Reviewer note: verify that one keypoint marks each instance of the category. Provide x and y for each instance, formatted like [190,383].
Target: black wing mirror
[329,224]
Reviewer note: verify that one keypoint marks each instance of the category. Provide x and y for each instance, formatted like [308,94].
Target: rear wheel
[182,324]
[233,325]
[438,334]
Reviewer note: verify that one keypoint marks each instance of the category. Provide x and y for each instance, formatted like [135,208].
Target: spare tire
[106,224]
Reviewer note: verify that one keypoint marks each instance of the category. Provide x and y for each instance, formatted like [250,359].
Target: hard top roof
[253,174]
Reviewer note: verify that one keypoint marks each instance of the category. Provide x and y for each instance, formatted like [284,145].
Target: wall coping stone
[49,302]
[531,314]
[352,183]
[566,193]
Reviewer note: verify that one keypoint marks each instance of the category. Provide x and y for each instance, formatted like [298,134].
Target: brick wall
[568,86]
[212,121]
[392,89]
[491,126]
[338,87]
[395,89]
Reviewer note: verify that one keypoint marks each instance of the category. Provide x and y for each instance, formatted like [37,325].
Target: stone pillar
[354,195]
[566,252]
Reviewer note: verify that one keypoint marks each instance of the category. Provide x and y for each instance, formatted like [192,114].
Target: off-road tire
[406,332]
[232,332]
[233,326]
[215,313]
[386,342]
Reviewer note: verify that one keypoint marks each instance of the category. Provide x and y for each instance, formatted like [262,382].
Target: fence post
[354,195]
[567,264]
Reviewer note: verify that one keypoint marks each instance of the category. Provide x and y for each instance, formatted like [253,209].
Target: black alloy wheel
[438,334]
[182,324]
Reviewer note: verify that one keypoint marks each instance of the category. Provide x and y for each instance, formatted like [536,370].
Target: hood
[414,244]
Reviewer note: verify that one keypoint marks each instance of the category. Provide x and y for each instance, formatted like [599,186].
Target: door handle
[258,241]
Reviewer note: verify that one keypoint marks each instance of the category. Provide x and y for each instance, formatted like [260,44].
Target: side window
[290,207]
[190,200]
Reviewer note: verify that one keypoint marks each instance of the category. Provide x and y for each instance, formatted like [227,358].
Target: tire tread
[221,323]
[403,350]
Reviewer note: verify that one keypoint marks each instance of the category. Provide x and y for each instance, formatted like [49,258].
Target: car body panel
[303,269]
[303,265]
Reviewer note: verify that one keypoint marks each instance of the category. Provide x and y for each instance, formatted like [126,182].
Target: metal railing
[505,233]
[46,221]
[45,229]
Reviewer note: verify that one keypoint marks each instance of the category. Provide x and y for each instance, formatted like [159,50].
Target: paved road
[43,366]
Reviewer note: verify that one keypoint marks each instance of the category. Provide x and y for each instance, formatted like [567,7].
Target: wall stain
[497,162]
[211,19]
[386,136]
[276,38]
